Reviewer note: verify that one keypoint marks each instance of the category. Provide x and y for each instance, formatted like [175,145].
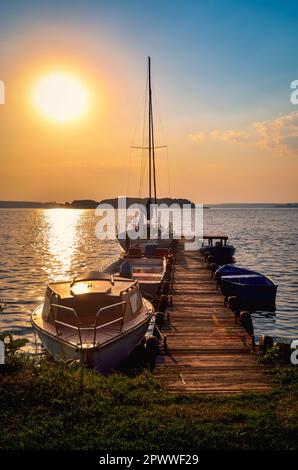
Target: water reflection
[61,239]
[41,245]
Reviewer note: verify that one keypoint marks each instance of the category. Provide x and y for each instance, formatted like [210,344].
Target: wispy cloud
[237,137]
[280,135]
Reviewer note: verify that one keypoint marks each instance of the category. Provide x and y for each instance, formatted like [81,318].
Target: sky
[221,75]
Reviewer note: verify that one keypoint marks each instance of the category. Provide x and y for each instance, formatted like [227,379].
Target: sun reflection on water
[62,239]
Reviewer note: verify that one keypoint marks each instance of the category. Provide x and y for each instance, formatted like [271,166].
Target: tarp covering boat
[254,290]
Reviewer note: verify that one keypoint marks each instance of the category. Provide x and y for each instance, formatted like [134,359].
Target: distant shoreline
[92,204]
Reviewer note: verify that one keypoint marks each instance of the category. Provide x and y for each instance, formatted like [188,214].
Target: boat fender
[246,322]
[265,342]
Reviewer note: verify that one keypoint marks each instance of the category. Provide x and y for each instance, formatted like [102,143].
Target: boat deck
[207,352]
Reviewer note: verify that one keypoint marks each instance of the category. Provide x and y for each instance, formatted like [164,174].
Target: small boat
[217,247]
[230,269]
[148,267]
[96,318]
[253,289]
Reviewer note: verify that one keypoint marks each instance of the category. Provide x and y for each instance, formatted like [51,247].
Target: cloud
[280,135]
[235,137]
[198,137]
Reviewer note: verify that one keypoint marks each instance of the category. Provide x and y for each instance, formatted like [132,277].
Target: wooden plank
[207,352]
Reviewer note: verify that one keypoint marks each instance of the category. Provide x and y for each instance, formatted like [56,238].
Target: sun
[61,97]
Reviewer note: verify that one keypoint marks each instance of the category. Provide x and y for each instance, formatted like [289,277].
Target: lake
[38,245]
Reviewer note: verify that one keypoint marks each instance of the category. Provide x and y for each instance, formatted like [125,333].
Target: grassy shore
[46,405]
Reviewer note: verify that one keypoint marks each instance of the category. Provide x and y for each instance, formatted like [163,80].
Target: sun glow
[61,238]
[61,97]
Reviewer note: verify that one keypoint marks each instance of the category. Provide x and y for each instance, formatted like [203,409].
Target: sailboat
[160,238]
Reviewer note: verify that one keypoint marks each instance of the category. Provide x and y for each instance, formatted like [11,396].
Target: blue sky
[241,52]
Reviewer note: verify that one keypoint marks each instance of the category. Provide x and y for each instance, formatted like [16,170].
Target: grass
[48,405]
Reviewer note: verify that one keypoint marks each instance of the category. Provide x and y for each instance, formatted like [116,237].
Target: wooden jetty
[207,352]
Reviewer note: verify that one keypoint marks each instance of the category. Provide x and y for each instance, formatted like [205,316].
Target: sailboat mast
[151,147]
[149,128]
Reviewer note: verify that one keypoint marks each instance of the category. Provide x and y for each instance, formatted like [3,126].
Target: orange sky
[91,158]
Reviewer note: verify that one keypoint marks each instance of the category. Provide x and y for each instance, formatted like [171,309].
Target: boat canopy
[209,236]
[219,239]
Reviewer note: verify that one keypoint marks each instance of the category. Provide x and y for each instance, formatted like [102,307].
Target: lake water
[40,245]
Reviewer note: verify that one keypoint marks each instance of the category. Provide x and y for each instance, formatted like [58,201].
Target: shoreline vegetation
[92,204]
[88,203]
[61,405]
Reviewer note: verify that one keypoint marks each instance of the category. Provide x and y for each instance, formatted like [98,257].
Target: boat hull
[104,357]
[219,252]
[253,290]
[251,297]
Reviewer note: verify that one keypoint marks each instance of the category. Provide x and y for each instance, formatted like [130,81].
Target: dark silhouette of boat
[255,291]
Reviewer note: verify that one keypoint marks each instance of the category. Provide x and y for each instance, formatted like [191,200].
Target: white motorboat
[148,267]
[96,318]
